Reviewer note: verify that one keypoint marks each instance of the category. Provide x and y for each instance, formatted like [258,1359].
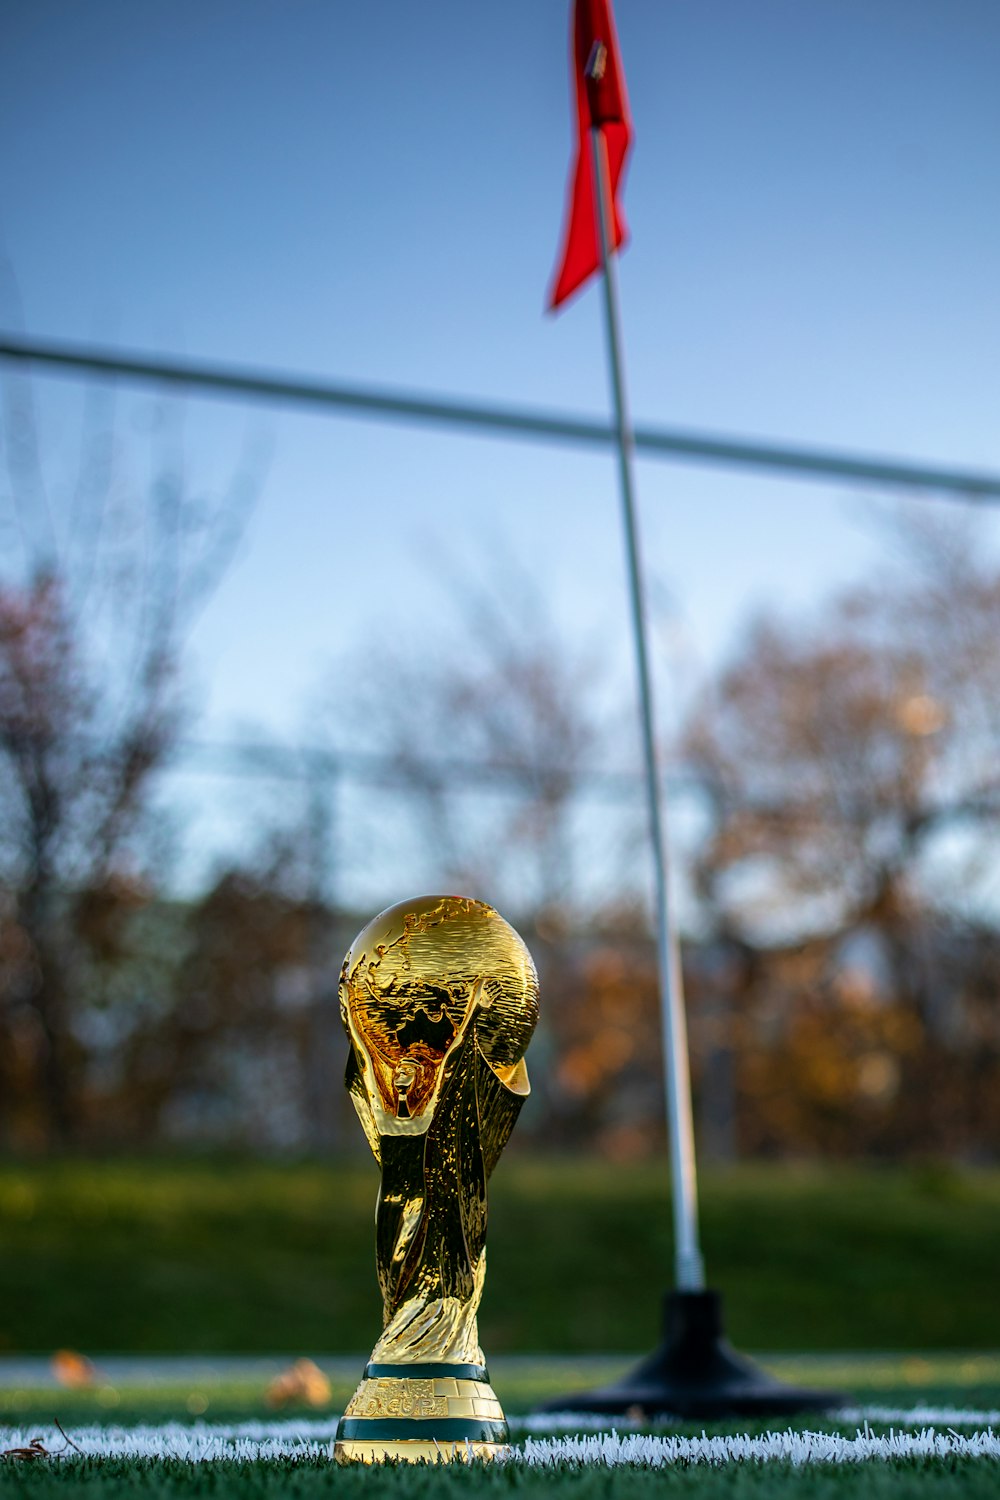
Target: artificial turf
[109,1479]
[966,1381]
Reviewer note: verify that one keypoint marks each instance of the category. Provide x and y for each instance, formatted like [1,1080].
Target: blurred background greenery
[166,1256]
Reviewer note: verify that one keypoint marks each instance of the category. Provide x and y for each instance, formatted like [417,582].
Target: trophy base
[438,1413]
[415,1451]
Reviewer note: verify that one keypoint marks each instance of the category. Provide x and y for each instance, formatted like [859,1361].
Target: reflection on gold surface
[402,1397]
[439,997]
[410,986]
[443,1451]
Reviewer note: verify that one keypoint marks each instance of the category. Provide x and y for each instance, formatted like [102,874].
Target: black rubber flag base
[696,1373]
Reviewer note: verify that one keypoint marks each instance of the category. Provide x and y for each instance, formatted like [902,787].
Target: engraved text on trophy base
[425,1398]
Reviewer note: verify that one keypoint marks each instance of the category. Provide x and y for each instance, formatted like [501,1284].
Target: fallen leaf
[35,1449]
[75,1370]
[302,1381]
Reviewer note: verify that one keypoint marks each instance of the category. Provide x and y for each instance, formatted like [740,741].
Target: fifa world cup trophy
[439,997]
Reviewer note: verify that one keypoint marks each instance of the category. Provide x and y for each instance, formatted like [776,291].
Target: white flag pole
[693,1372]
[690,1273]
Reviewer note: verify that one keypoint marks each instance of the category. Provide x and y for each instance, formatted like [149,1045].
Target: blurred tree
[493,739]
[606,1088]
[851,771]
[94,606]
[251,1051]
[497,743]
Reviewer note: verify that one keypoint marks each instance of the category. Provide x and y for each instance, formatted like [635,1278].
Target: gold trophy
[439,997]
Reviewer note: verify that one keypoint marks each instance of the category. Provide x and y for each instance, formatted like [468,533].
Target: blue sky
[375,191]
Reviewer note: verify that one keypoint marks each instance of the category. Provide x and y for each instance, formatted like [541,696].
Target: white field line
[788,1447]
[918,1416]
[202,1442]
[855,1416]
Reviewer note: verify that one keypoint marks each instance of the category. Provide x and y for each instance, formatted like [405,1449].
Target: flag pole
[694,1372]
[689,1267]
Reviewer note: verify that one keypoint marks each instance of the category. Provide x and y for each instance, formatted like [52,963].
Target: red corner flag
[600,101]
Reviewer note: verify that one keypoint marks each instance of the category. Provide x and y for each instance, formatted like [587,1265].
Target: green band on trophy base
[446,1429]
[439,998]
[428,1372]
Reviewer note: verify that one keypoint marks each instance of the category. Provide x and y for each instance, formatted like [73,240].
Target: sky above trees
[368,194]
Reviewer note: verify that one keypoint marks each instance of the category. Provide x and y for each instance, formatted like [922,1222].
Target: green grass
[110,1479]
[887,1380]
[208,1256]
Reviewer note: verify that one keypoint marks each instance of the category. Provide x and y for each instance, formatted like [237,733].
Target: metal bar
[289,763]
[408,406]
[690,1272]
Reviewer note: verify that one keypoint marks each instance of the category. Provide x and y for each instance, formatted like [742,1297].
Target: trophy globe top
[416,981]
